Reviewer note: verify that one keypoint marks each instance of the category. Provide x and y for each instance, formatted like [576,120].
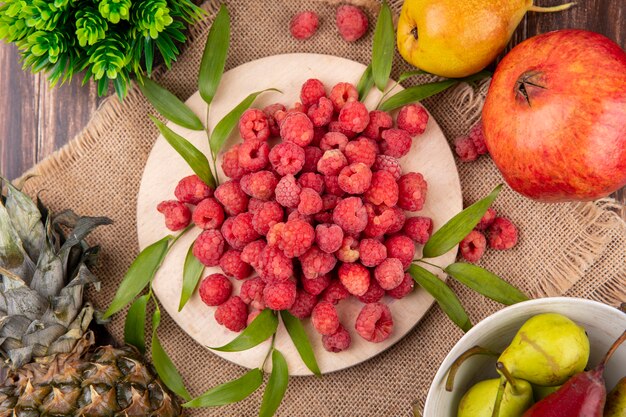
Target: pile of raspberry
[494,231]
[314,219]
[469,148]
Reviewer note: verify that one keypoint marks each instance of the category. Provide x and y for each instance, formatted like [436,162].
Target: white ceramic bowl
[604,324]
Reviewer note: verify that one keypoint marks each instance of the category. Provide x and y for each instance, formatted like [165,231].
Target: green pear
[480,399]
[616,401]
[539,392]
[547,350]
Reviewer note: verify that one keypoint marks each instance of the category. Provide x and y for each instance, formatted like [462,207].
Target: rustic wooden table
[35,120]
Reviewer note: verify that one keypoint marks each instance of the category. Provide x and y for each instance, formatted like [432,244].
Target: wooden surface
[35,120]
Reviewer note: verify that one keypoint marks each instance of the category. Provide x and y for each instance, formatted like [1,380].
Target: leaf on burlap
[229,392]
[262,327]
[214,56]
[276,386]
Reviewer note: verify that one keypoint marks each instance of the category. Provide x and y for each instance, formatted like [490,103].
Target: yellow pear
[457,38]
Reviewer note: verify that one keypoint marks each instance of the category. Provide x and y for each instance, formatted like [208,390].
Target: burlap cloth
[571,249]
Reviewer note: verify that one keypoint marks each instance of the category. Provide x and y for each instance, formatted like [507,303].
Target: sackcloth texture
[573,249]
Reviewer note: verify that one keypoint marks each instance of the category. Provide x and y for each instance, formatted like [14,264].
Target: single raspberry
[351,22]
[389,164]
[288,192]
[355,277]
[349,250]
[253,315]
[379,121]
[478,137]
[413,118]
[502,234]
[399,217]
[251,252]
[335,126]
[230,163]
[233,314]
[253,155]
[335,292]
[254,204]
[233,266]
[372,252]
[298,108]
[296,215]
[354,116]
[297,128]
[355,178]
[379,220]
[334,140]
[273,265]
[332,162]
[252,293]
[412,191]
[374,322]
[296,238]
[242,230]
[374,293]
[321,113]
[316,286]
[341,94]
[395,142]
[275,234]
[259,185]
[351,215]
[487,219]
[229,236]
[310,202]
[312,180]
[331,184]
[304,25]
[362,150]
[418,228]
[383,189]
[389,273]
[338,341]
[209,214]
[208,247]
[232,197]
[192,190]
[312,155]
[279,295]
[280,116]
[215,289]
[405,288]
[315,263]
[268,214]
[270,112]
[324,318]
[303,305]
[401,247]
[254,124]
[312,90]
[465,149]
[473,246]
[328,237]
[177,214]
[287,158]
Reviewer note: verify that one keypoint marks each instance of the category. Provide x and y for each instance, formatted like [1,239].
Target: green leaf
[225,126]
[169,105]
[214,56]
[383,47]
[406,75]
[447,299]
[192,272]
[196,159]
[301,341]
[458,227]
[134,327]
[276,386]
[365,83]
[229,392]
[486,283]
[261,328]
[415,93]
[139,274]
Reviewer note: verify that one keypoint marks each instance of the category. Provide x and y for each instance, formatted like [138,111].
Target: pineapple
[51,366]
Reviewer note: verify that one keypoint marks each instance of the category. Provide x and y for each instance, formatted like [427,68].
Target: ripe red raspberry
[288,192]
[487,219]
[233,266]
[315,263]
[287,158]
[310,202]
[383,189]
[413,118]
[323,216]
[251,252]
[478,137]
[312,90]
[379,220]
[215,289]
[405,288]
[338,341]
[355,178]
[362,150]
[232,197]
[389,164]
[328,237]
[229,236]
[351,215]
[335,126]
[192,190]
[273,265]
[275,233]
[254,204]
[372,252]
[304,25]
[401,247]
[374,293]
[242,229]
[379,121]
[473,246]
[351,22]
[253,155]
[315,286]
[297,128]
[268,214]
[395,142]
[270,112]
[251,293]
[279,295]
[321,113]
[208,247]
[465,149]
[209,214]
[335,292]
[312,155]
[374,322]
[296,238]
[334,140]
[312,180]
[332,162]
[303,305]
[331,184]
[418,228]
[349,250]
[324,318]
[177,214]
[296,215]
[259,185]
[318,134]
[354,116]
[502,234]
[355,277]
[399,217]
[389,273]
[230,163]
[412,191]
[233,314]
[341,94]
[254,124]
[298,108]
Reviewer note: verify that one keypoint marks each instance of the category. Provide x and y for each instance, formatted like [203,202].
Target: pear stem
[476,350]
[499,396]
[558,8]
[507,375]
[612,350]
